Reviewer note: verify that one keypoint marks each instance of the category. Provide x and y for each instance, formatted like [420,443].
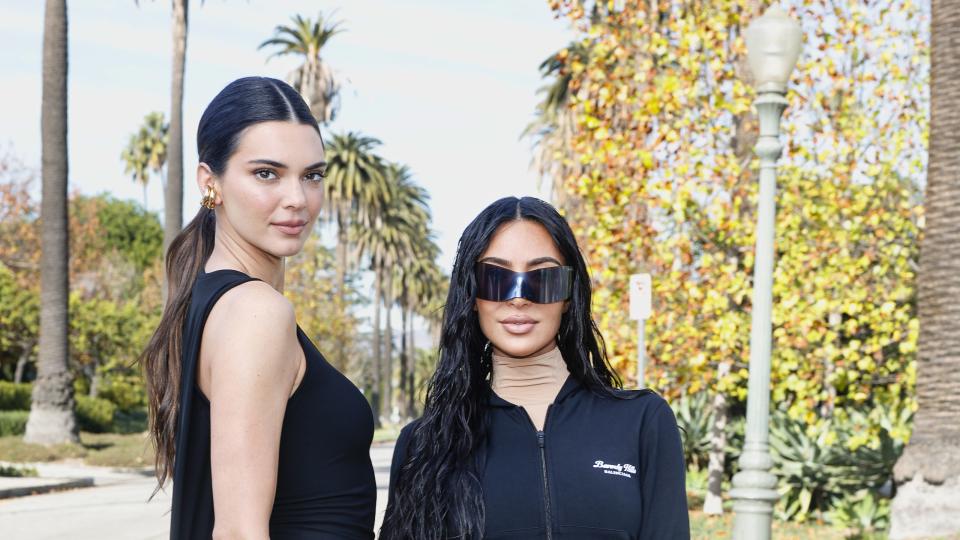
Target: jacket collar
[570,386]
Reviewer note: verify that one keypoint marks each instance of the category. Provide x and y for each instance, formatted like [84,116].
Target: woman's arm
[664,496]
[249,363]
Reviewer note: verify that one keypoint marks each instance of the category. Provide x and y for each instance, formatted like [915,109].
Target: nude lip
[518,324]
[292,227]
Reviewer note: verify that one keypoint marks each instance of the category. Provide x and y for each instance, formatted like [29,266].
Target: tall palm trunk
[388,348]
[377,392]
[173,196]
[343,242]
[412,373]
[928,472]
[51,418]
[404,350]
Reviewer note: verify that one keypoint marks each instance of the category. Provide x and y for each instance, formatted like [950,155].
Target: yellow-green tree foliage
[310,285]
[664,181]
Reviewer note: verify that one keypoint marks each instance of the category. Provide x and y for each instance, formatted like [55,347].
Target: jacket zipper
[546,487]
[541,443]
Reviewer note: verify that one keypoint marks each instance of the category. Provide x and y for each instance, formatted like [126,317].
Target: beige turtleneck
[532,383]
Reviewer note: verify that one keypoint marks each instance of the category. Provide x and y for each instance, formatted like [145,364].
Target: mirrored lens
[543,286]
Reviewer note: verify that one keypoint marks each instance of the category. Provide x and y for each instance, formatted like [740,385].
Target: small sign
[640,296]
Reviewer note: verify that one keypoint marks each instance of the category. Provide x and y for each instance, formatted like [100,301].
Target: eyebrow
[277,164]
[531,262]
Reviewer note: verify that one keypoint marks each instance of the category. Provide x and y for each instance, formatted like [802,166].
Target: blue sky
[448,86]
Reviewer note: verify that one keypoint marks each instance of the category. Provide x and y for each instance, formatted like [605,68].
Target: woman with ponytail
[260,435]
[525,432]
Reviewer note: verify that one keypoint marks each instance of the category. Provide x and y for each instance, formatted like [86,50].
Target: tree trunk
[928,472]
[713,502]
[173,195]
[377,360]
[388,407]
[343,242]
[404,353]
[22,363]
[52,418]
[412,374]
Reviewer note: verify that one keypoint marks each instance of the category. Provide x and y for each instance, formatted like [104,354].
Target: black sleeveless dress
[325,482]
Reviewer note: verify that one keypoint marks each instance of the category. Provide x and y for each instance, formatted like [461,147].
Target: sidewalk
[64,475]
[123,495]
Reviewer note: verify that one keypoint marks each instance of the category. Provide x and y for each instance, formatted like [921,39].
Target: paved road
[117,508]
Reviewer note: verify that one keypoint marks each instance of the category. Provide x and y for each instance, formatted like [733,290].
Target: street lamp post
[773,45]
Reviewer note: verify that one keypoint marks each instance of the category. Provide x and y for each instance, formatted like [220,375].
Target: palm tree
[134,158]
[355,190]
[314,78]
[147,151]
[173,191]
[420,279]
[173,195]
[931,461]
[156,135]
[52,419]
[392,238]
[553,128]
[412,215]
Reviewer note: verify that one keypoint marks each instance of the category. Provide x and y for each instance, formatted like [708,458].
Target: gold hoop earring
[209,200]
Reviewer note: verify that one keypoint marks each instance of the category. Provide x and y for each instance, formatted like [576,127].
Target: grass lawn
[704,526]
[108,449]
[102,449]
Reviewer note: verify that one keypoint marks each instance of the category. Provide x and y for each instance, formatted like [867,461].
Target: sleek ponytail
[241,104]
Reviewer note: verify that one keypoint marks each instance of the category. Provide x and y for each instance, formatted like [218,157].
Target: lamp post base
[753,511]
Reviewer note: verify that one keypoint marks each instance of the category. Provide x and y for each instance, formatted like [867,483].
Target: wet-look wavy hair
[240,105]
[438,492]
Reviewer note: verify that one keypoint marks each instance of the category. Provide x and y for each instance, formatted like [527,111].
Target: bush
[15,396]
[864,511]
[134,421]
[695,419]
[14,471]
[127,392]
[95,415]
[827,469]
[13,422]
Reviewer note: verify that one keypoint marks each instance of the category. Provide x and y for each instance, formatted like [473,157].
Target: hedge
[13,422]
[15,396]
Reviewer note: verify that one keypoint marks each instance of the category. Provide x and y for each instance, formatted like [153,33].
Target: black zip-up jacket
[602,468]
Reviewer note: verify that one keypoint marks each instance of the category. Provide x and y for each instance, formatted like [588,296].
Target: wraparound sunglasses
[542,286]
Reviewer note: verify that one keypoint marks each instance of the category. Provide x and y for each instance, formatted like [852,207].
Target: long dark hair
[243,103]
[438,492]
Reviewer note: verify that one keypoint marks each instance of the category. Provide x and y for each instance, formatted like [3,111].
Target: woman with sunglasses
[525,433]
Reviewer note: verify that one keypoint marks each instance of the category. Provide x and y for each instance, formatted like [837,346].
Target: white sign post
[640,308]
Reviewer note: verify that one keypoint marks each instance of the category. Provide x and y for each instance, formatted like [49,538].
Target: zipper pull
[540,441]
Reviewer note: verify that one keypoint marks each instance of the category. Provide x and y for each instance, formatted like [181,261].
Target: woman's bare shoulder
[251,318]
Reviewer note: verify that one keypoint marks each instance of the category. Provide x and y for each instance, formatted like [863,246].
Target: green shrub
[15,396]
[15,471]
[95,415]
[864,511]
[134,421]
[825,470]
[13,422]
[695,418]
[127,392]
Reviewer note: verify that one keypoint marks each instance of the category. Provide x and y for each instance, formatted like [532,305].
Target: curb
[23,491]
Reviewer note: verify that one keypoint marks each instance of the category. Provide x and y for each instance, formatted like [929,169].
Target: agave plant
[822,468]
[695,418]
[864,512]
